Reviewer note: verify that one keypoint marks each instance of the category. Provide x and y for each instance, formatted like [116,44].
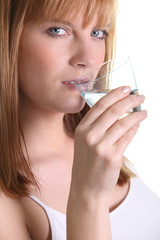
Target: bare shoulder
[12,219]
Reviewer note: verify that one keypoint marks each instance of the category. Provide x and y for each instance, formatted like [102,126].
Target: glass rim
[124,60]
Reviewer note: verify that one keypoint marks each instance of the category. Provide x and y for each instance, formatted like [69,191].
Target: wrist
[86,218]
[88,202]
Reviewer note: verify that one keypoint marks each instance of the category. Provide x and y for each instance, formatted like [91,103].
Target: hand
[100,141]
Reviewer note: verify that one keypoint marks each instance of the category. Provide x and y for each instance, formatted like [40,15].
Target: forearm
[87,221]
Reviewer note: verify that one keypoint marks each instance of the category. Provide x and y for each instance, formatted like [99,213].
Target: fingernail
[141,97]
[126,89]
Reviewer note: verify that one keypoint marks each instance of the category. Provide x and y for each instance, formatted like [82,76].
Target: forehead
[76,23]
[71,10]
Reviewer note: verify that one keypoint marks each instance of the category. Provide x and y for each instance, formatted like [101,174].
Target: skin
[43,55]
[88,190]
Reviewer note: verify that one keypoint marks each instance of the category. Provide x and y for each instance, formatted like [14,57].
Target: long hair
[15,169]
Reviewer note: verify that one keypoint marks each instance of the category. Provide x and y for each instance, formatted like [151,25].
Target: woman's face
[53,54]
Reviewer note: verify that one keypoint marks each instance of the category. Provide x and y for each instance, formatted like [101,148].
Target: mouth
[75,82]
[70,83]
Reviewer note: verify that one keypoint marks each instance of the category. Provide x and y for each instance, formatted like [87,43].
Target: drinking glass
[100,80]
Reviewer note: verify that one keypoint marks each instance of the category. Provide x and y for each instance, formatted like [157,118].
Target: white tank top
[137,217]
[56,219]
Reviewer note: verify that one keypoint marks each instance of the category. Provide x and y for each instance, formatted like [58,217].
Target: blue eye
[101,34]
[57,32]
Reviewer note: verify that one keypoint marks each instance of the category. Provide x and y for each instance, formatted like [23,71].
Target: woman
[57,156]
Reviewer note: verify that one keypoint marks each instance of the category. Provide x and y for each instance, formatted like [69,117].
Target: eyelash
[105,34]
[50,33]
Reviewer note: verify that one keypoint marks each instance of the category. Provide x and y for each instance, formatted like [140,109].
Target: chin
[76,108]
[72,105]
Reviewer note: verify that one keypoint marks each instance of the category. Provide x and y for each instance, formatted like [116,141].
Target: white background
[139,38]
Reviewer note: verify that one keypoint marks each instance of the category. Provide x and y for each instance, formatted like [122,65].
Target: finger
[104,103]
[122,126]
[110,116]
[123,142]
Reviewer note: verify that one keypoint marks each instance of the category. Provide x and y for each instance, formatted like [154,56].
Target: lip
[77,81]
[70,84]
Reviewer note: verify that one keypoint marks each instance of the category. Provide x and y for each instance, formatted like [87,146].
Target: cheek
[100,54]
[41,59]
[34,61]
[37,61]
[33,66]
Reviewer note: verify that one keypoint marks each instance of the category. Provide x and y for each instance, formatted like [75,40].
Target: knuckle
[101,104]
[137,116]
[89,137]
[120,125]
[79,130]
[103,152]
[117,93]
[114,93]
[133,100]
[99,150]
[108,158]
[115,110]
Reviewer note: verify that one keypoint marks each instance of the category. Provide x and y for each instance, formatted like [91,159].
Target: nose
[83,56]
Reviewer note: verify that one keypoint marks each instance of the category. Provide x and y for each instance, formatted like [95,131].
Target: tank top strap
[49,216]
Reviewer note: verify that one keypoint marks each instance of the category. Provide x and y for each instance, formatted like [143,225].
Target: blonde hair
[15,170]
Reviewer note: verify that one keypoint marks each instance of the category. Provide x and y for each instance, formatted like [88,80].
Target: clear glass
[100,80]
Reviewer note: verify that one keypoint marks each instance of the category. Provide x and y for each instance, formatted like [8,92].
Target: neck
[43,130]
